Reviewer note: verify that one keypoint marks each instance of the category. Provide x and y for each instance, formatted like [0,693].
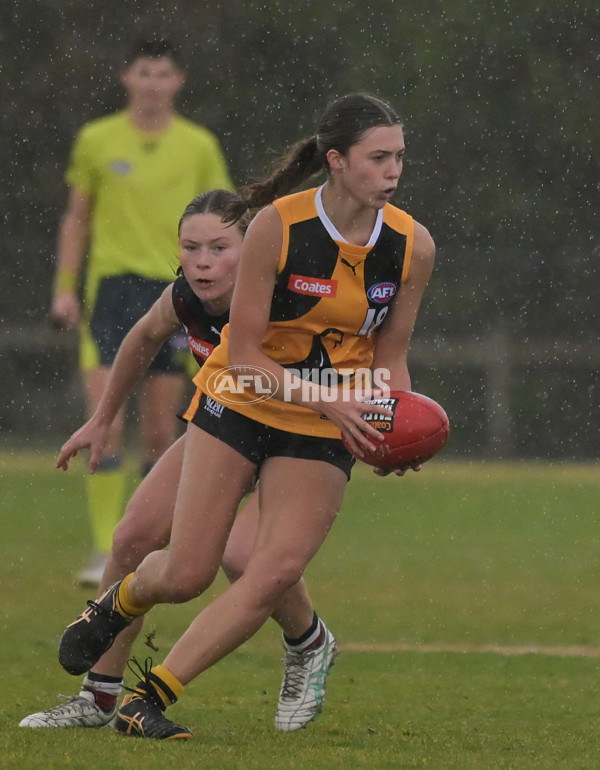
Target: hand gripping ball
[414,431]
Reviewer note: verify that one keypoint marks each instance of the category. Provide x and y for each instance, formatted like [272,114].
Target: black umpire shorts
[121,300]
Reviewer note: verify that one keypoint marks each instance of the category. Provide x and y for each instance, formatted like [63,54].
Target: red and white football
[415,430]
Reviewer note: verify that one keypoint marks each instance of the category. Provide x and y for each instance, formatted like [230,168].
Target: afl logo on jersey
[313,287]
[382,292]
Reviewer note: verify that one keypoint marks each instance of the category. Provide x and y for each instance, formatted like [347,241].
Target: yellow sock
[106,495]
[124,603]
[164,683]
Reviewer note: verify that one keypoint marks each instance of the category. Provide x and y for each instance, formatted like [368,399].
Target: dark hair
[153,48]
[341,126]
[213,202]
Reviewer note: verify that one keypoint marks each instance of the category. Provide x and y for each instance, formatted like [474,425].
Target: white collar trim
[332,229]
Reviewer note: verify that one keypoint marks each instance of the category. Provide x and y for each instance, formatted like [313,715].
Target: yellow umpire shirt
[140,184]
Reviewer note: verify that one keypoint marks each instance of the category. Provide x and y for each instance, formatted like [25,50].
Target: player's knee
[180,583]
[290,573]
[278,577]
[234,563]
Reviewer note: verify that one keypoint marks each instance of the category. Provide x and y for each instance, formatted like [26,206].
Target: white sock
[110,688]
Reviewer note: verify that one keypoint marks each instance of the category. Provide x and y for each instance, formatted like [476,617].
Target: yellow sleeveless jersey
[330,297]
[140,184]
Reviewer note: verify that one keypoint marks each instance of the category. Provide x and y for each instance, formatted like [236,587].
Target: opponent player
[305,299]
[130,176]
[199,300]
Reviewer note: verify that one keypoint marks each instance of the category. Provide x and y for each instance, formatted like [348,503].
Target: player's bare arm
[136,353]
[393,341]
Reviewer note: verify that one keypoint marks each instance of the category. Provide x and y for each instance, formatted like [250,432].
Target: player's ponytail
[299,163]
[342,125]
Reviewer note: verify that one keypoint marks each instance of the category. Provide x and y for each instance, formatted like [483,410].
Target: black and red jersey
[203,331]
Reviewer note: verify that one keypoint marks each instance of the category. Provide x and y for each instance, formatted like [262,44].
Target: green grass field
[465,600]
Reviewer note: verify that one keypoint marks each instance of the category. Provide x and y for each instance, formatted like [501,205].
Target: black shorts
[256,442]
[121,301]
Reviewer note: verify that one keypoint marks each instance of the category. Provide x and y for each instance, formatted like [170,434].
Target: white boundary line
[573,651]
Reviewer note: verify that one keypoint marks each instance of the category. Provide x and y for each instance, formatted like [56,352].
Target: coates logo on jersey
[313,287]
[200,348]
[382,292]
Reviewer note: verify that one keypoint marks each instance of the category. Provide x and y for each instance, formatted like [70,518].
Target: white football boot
[304,680]
[78,711]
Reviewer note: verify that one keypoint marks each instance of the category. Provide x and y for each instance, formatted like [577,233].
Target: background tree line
[500,105]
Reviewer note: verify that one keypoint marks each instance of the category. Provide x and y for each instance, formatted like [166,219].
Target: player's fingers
[368,436]
[381,472]
[367,416]
[367,432]
[62,461]
[95,456]
[404,468]
[351,443]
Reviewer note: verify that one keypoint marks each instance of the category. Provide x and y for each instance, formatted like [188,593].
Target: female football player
[275,397]
[199,300]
